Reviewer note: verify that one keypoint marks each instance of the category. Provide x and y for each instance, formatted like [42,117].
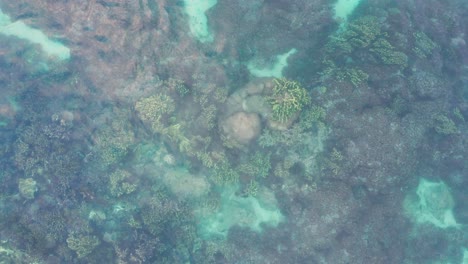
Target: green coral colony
[288,99]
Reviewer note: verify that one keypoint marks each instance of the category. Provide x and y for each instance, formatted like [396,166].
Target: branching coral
[83,245]
[162,213]
[225,174]
[154,109]
[353,75]
[119,183]
[313,116]
[113,141]
[363,40]
[361,33]
[387,53]
[444,125]
[27,188]
[423,45]
[288,99]
[251,189]
[258,165]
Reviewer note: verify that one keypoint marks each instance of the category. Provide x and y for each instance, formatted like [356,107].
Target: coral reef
[186,185]
[257,165]
[155,110]
[444,125]
[27,187]
[287,100]
[241,127]
[120,183]
[149,146]
[83,245]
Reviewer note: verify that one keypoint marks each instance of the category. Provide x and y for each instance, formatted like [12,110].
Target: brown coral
[241,127]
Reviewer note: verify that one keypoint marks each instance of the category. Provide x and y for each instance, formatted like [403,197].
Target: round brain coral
[242,127]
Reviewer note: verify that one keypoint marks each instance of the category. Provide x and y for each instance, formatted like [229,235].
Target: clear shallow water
[233,132]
